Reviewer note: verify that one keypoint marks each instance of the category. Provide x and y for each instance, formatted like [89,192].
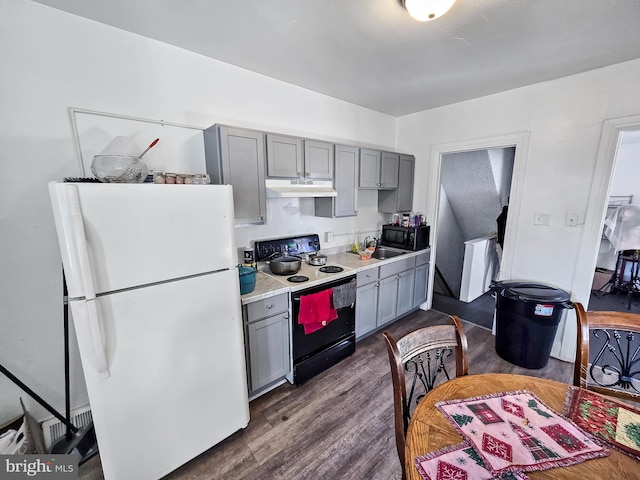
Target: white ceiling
[371,53]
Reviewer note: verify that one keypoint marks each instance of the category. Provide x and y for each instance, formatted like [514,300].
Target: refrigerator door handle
[77,225]
[87,280]
[97,339]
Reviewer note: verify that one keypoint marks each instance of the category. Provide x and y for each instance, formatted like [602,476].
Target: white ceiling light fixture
[426,10]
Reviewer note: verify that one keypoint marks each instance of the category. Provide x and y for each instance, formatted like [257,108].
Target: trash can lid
[532,292]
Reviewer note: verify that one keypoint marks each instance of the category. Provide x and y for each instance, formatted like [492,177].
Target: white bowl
[119,169]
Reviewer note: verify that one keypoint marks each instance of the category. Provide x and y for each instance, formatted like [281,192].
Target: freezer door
[178,384]
[138,234]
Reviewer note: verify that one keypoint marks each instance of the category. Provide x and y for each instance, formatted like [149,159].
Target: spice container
[248,257]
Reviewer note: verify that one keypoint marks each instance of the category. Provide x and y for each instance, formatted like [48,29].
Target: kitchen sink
[382,253]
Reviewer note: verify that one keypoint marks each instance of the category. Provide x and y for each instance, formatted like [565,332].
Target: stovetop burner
[331,269]
[298,279]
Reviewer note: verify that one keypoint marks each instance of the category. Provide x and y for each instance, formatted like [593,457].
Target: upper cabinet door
[389,170]
[400,199]
[346,181]
[318,160]
[369,169]
[405,183]
[284,156]
[235,157]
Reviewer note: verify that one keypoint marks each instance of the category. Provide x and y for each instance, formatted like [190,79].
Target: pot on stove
[317,260]
[284,265]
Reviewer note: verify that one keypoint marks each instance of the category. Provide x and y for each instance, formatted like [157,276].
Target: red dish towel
[316,311]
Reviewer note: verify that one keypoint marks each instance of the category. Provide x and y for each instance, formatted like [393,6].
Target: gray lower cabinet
[346,167]
[385,293]
[421,282]
[396,289]
[400,199]
[235,157]
[267,334]
[367,301]
[387,300]
[405,291]
[420,285]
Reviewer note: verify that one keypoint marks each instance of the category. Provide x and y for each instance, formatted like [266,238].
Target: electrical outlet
[541,219]
[571,220]
[329,237]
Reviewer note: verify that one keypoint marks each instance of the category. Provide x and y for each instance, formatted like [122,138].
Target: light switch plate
[541,219]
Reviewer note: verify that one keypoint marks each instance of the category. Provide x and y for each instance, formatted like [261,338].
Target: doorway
[506,186]
[617,267]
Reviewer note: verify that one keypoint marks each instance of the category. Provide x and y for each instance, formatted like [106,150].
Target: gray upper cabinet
[318,160]
[235,157]
[292,157]
[400,199]
[378,170]
[369,176]
[345,183]
[284,156]
[389,170]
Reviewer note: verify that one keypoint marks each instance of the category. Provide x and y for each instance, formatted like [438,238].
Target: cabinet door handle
[307,174]
[300,174]
[270,306]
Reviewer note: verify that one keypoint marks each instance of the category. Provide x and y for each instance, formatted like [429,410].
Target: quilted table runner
[458,462]
[617,423]
[515,431]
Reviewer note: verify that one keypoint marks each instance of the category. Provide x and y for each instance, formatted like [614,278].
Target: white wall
[564,118]
[52,61]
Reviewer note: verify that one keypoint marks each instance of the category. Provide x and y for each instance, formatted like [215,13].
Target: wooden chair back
[608,353]
[419,359]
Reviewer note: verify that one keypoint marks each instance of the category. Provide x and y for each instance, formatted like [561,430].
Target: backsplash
[295,216]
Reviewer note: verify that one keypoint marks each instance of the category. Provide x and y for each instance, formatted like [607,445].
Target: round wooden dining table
[429,430]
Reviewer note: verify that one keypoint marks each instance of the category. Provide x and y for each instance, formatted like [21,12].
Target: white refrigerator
[155,300]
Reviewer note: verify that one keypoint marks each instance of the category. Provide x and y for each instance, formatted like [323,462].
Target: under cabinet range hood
[299,188]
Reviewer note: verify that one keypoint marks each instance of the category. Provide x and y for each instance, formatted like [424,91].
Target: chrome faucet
[370,241]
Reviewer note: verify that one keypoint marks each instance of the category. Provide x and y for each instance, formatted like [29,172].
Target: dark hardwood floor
[338,425]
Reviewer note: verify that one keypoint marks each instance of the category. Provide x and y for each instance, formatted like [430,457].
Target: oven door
[327,345]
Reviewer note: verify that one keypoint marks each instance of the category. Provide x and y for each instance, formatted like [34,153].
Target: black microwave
[405,238]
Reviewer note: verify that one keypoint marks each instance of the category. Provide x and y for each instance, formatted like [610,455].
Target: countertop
[267,286]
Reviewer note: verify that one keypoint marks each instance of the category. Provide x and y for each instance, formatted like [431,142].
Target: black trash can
[527,318]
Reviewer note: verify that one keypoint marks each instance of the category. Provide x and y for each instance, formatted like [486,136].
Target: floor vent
[53,428]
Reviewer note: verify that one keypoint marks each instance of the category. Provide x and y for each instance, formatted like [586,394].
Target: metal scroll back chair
[608,353]
[421,359]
